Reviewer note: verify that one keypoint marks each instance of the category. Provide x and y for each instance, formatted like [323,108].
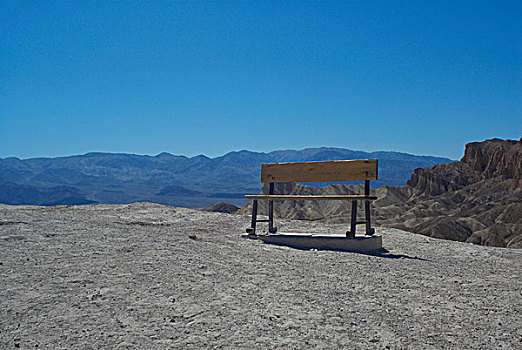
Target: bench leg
[271,227]
[369,230]
[353,221]
[252,229]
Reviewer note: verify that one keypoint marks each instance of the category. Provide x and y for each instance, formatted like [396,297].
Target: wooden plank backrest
[338,170]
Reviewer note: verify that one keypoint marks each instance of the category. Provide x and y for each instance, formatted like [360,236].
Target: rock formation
[221,207]
[477,200]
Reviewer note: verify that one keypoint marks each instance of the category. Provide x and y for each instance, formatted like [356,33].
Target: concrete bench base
[362,244]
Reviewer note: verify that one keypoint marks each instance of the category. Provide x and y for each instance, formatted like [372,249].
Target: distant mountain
[194,182]
[476,200]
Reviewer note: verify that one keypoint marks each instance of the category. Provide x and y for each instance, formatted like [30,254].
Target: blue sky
[208,78]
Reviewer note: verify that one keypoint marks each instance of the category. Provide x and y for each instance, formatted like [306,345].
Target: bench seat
[284,197]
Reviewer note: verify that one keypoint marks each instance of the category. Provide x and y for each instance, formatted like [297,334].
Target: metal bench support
[369,230]
[353,219]
[252,229]
[271,227]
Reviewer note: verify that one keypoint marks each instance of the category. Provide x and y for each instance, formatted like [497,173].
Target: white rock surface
[153,277]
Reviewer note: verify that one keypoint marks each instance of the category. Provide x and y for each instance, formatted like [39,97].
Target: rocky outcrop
[476,200]
[495,158]
[221,207]
[489,160]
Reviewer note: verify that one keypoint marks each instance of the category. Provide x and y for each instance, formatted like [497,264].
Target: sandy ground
[153,277]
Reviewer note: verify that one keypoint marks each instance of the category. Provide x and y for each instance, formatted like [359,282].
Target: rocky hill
[221,207]
[477,200]
[168,179]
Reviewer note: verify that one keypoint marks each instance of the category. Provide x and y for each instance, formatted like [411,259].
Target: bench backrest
[338,170]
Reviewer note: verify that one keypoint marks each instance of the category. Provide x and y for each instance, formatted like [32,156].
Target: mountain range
[195,182]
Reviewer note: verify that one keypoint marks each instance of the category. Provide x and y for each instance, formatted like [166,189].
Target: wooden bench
[341,170]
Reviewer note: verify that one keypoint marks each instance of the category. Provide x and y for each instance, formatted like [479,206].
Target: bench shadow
[383,253]
[380,253]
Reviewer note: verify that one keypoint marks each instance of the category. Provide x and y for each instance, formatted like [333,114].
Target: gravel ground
[153,277]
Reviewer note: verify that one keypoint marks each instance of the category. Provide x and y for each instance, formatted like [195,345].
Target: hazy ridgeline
[196,182]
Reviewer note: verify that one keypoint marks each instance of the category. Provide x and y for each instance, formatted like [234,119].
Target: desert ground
[145,276]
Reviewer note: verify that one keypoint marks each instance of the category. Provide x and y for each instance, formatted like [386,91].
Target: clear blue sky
[197,77]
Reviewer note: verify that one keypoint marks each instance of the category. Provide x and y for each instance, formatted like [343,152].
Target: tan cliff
[489,160]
